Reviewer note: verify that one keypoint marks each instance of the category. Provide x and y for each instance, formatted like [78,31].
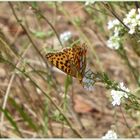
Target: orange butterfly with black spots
[72,60]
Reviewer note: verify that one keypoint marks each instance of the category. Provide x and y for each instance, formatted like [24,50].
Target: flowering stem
[108,7]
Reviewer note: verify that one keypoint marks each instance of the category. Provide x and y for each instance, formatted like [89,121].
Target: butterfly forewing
[70,60]
[60,60]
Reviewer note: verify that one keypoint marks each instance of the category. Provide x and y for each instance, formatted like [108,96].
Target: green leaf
[50,33]
[40,34]
[78,21]
[34,4]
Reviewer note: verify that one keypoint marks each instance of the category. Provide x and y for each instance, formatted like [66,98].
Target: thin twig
[8,89]
[5,99]
[50,24]
[137,4]
[132,69]
[126,122]
[25,30]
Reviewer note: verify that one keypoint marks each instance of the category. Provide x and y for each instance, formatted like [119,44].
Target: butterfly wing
[61,61]
[79,56]
[70,60]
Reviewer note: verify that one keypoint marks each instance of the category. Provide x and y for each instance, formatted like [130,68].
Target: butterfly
[72,60]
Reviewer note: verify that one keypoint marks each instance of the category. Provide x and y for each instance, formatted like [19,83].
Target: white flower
[110,135]
[121,85]
[88,80]
[113,23]
[117,95]
[116,22]
[113,42]
[65,36]
[38,90]
[116,32]
[89,2]
[110,24]
[126,21]
[132,21]
[132,13]
[131,31]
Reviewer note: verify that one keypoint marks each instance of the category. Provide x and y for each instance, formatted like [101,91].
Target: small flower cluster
[132,21]
[113,23]
[115,40]
[88,80]
[65,36]
[110,135]
[117,95]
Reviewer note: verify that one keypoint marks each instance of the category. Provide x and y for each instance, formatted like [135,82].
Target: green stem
[132,69]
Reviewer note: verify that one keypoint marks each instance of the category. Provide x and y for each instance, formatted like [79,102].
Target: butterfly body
[72,61]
